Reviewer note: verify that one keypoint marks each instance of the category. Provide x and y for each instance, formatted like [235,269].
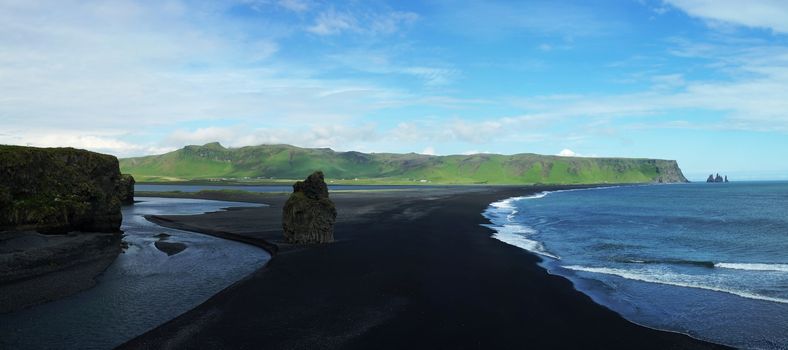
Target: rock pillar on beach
[308,215]
[126,189]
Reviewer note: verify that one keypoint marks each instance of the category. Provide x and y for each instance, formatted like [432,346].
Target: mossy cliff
[57,190]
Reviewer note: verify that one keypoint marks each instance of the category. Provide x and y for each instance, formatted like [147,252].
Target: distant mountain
[212,161]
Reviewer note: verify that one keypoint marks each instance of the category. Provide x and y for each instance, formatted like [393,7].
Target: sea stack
[309,215]
[126,190]
[716,179]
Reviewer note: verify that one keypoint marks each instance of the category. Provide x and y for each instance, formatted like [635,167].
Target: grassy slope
[289,162]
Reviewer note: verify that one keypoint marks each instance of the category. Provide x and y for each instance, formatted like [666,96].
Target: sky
[700,81]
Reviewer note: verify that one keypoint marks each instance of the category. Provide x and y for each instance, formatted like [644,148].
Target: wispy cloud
[391,62]
[332,22]
[498,20]
[150,66]
[768,14]
[296,5]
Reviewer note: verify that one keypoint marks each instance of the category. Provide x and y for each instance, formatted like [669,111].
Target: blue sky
[703,82]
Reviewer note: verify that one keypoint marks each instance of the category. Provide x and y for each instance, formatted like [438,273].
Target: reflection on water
[142,289]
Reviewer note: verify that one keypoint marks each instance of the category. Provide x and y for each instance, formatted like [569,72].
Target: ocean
[708,260]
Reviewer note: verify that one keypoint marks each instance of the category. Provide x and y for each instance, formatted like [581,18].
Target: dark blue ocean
[708,260]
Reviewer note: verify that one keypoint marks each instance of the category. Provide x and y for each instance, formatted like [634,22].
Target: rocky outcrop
[717,179]
[126,189]
[667,171]
[309,215]
[58,190]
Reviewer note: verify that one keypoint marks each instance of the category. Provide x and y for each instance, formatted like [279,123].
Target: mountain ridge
[282,161]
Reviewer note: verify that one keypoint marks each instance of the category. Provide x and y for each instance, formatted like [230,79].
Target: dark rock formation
[717,178]
[667,171]
[126,189]
[308,215]
[57,190]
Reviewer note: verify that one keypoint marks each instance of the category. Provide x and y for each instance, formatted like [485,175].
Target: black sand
[409,270]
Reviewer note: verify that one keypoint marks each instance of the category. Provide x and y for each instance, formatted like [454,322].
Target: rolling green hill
[271,162]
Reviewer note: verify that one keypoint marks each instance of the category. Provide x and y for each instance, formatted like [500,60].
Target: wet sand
[37,268]
[409,269]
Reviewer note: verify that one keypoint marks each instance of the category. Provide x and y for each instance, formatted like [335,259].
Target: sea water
[708,260]
[142,289]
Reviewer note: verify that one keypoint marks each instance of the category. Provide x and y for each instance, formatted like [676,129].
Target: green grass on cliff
[269,163]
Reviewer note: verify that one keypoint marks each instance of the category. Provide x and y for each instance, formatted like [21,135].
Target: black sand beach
[410,269]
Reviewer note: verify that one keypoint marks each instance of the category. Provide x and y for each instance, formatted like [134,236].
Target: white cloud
[334,22]
[84,69]
[388,62]
[473,151]
[746,91]
[432,76]
[339,137]
[295,5]
[430,151]
[769,14]
[567,153]
[104,143]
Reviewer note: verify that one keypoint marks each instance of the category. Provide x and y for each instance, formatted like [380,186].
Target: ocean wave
[711,264]
[512,233]
[516,235]
[672,279]
[753,266]
[700,263]
[508,202]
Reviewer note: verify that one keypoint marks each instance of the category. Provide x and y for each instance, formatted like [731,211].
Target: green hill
[271,162]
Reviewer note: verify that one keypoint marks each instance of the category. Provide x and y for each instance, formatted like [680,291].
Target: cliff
[57,190]
[74,198]
[265,162]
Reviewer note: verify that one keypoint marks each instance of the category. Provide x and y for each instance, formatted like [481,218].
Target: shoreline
[42,268]
[267,285]
[548,258]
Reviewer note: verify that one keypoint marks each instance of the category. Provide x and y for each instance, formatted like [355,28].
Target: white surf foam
[753,266]
[512,233]
[508,202]
[672,279]
[515,234]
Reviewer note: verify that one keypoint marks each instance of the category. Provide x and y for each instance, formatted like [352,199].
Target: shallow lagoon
[142,289]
